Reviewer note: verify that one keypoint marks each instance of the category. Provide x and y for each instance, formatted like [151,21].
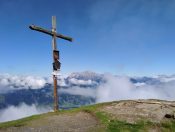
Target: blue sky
[126,37]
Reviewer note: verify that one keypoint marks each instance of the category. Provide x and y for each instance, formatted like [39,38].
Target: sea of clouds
[122,88]
[110,88]
[13,82]
[21,111]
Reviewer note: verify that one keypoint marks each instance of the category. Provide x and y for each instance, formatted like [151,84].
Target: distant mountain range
[75,90]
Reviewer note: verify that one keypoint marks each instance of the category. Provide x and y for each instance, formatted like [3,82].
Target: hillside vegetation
[117,116]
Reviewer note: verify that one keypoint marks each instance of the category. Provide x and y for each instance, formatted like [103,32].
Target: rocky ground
[135,110]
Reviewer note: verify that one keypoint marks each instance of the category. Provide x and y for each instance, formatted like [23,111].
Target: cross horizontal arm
[33,27]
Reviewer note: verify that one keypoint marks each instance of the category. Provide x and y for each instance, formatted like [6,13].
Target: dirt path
[74,122]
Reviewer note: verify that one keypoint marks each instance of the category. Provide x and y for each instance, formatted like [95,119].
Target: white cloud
[34,82]
[121,88]
[4,82]
[61,82]
[81,82]
[87,75]
[167,79]
[114,88]
[12,82]
[17,112]
[139,84]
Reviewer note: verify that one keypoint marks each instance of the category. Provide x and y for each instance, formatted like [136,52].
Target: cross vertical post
[56,63]
[54,46]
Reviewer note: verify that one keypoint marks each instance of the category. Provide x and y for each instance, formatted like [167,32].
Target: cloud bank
[11,82]
[111,87]
[75,81]
[121,88]
[103,87]
[23,110]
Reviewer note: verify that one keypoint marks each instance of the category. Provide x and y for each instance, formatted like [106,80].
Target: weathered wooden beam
[33,27]
[64,37]
[56,63]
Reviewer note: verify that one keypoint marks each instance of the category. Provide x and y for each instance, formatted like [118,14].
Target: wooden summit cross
[56,63]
